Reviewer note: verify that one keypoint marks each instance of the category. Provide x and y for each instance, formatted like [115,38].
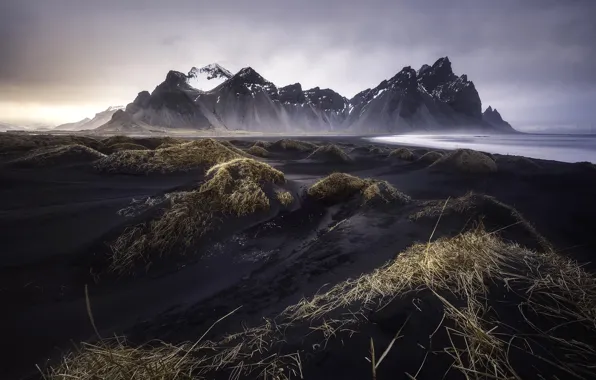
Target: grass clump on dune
[15,142]
[330,153]
[233,188]
[505,311]
[383,192]
[183,157]
[430,157]
[284,197]
[466,161]
[339,187]
[263,144]
[402,154]
[295,145]
[55,155]
[115,360]
[257,151]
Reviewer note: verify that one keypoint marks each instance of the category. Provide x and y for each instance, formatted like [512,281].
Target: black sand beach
[58,219]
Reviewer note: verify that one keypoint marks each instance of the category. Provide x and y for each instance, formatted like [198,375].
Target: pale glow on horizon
[34,113]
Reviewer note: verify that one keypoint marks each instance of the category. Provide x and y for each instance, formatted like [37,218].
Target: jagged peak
[176,77]
[489,109]
[213,71]
[114,108]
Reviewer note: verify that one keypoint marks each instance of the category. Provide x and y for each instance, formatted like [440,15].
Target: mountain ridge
[432,98]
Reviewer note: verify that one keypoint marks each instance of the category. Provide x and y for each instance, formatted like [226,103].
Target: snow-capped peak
[115,108]
[208,77]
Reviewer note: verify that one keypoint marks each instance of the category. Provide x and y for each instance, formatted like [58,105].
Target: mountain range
[432,98]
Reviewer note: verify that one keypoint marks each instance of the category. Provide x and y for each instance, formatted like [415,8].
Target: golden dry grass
[295,145]
[466,161]
[383,192]
[284,197]
[402,154]
[330,153]
[257,151]
[232,147]
[196,154]
[61,154]
[336,187]
[115,360]
[464,268]
[233,188]
[339,187]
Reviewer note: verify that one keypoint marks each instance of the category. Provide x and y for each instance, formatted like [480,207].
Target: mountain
[98,120]
[493,117]
[432,98]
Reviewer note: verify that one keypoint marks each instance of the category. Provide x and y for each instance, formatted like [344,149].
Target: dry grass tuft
[284,197]
[257,151]
[196,154]
[466,161]
[336,187]
[55,155]
[295,145]
[339,187]
[383,192]
[402,154]
[233,188]
[330,153]
[117,361]
[430,157]
[461,272]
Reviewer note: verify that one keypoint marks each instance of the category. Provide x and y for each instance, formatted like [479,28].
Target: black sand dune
[59,221]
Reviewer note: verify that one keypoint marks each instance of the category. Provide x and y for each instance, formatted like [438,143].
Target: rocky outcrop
[493,117]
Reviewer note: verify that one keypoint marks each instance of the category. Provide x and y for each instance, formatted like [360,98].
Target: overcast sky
[63,60]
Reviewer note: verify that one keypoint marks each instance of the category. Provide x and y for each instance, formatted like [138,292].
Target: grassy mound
[196,154]
[430,157]
[368,150]
[14,142]
[56,155]
[232,147]
[330,153]
[465,161]
[518,163]
[337,187]
[233,188]
[263,144]
[125,146]
[383,192]
[402,154]
[257,151]
[340,187]
[293,145]
[147,142]
[472,306]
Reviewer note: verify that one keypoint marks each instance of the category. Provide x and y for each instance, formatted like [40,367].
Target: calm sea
[565,148]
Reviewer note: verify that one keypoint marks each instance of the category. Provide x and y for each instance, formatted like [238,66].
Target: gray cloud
[531,59]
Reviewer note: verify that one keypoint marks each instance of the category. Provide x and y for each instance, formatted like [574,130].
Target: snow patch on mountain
[208,77]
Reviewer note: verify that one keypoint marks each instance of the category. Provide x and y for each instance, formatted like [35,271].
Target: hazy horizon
[64,60]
